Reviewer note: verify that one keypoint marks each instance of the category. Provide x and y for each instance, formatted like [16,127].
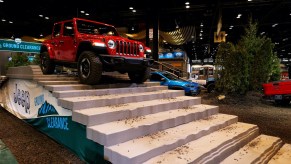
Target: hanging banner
[19,46]
[172,55]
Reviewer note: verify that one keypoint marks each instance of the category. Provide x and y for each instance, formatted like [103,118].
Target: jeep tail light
[111,44]
[99,44]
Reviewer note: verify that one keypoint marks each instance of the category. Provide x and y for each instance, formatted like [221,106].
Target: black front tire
[89,68]
[139,76]
[46,64]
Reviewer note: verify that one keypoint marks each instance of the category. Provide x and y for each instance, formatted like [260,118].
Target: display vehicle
[278,91]
[93,47]
[204,75]
[174,82]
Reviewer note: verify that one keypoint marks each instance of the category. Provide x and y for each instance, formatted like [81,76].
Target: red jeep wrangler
[93,47]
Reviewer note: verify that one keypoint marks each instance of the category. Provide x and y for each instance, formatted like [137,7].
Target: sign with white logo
[18,45]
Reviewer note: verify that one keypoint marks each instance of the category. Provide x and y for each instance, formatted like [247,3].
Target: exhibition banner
[19,46]
[30,102]
[172,55]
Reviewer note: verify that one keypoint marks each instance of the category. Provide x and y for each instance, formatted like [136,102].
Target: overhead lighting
[285,39]
[283,50]
[289,53]
[10,22]
[225,34]
[262,33]
[87,14]
[187,3]
[1,1]
[40,15]
[130,8]
[133,11]
[41,35]
[250,0]
[187,7]
[82,11]
[201,24]
[46,18]
[276,43]
[238,16]
[274,25]
[3,20]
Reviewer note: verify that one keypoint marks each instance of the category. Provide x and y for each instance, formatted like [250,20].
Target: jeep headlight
[111,44]
[140,47]
[98,44]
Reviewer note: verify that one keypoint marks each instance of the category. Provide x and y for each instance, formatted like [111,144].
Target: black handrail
[180,73]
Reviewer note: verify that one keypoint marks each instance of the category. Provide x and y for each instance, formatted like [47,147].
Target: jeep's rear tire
[46,64]
[89,68]
[139,76]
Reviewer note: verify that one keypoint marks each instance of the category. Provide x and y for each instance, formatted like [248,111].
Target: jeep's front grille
[126,48]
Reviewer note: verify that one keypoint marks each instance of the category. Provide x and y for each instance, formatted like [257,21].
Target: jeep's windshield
[95,29]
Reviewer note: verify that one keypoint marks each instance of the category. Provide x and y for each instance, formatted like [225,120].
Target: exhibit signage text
[19,46]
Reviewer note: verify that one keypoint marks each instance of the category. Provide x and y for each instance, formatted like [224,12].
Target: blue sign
[19,46]
[171,55]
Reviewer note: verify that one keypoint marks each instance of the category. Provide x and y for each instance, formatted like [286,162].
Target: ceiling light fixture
[133,11]
[130,8]
[10,22]
[274,25]
[250,0]
[40,15]
[46,18]
[187,7]
[201,24]
[187,3]
[82,11]
[87,14]
[3,20]
[1,1]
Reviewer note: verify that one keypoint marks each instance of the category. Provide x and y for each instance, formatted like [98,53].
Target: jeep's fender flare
[49,49]
[87,46]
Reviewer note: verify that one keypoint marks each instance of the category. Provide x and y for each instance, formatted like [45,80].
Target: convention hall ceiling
[35,17]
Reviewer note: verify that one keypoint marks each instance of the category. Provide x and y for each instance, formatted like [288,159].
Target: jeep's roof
[87,20]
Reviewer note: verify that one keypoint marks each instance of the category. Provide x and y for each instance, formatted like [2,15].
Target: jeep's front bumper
[117,63]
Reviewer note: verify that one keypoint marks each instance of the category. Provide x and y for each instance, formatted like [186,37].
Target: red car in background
[278,91]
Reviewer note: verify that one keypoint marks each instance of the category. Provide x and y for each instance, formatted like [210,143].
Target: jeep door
[55,39]
[67,43]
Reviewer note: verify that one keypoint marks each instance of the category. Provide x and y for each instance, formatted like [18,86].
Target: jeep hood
[106,38]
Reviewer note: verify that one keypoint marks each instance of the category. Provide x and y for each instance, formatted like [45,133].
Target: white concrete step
[99,86]
[99,92]
[60,78]
[58,82]
[260,150]
[101,115]
[67,87]
[143,148]
[283,156]
[117,132]
[209,149]
[84,102]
